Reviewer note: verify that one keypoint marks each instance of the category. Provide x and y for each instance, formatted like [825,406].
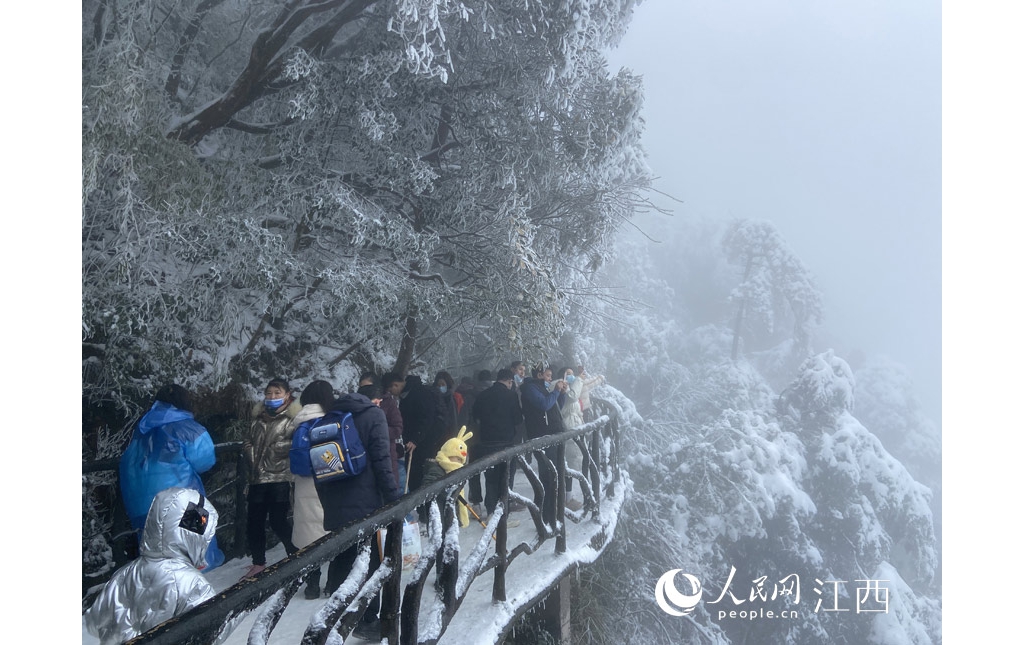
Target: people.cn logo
[670,599]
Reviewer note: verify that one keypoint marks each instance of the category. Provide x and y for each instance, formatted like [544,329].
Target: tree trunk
[408,346]
[440,143]
[184,45]
[266,62]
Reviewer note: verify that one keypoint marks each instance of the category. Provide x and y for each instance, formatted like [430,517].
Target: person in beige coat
[308,514]
[572,417]
[572,413]
[266,454]
[589,383]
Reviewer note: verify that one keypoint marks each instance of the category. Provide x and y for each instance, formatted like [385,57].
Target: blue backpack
[298,456]
[335,451]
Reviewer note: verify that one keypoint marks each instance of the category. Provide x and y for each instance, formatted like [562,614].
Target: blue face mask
[443,388]
[272,404]
[569,379]
[549,385]
[519,379]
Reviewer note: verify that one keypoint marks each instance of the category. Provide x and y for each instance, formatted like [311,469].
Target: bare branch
[265,64]
[253,128]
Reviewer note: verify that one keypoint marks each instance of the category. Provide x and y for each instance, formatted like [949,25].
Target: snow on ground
[478,621]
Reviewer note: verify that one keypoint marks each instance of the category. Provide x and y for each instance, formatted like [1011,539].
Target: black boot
[313,584]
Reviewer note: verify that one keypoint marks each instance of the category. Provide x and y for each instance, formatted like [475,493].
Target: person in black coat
[497,412]
[518,369]
[542,414]
[422,426]
[348,500]
[469,390]
[444,390]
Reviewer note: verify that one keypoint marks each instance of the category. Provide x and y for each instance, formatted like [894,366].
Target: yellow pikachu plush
[452,456]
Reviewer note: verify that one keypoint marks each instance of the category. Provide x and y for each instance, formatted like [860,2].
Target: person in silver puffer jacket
[164,581]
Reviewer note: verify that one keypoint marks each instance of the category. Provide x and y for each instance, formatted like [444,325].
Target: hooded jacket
[168,448]
[346,500]
[266,448]
[164,581]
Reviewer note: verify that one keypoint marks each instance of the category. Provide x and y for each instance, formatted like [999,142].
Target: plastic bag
[411,548]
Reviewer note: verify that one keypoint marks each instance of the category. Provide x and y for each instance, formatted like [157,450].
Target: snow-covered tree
[871,512]
[281,188]
[887,405]
[775,284]
[729,472]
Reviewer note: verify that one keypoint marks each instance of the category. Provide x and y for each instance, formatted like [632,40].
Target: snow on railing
[405,622]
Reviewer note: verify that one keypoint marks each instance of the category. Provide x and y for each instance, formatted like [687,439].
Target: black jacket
[498,413]
[449,412]
[422,417]
[354,498]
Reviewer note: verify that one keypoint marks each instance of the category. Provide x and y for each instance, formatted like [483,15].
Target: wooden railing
[598,443]
[225,486]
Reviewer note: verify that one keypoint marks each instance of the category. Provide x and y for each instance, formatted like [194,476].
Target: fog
[824,119]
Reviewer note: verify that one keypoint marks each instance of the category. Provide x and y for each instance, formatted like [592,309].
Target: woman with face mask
[444,384]
[572,414]
[266,454]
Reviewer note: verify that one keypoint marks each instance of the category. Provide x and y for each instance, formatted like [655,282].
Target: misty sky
[824,118]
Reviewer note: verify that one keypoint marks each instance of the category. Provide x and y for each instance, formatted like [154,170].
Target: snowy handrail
[274,588]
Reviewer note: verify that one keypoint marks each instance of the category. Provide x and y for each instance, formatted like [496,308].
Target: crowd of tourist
[401,421]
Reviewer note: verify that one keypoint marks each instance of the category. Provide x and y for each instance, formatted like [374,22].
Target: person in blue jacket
[169,448]
[542,415]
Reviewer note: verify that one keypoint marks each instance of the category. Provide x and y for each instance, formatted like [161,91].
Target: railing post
[120,518]
[447,567]
[239,546]
[560,498]
[501,539]
[392,589]
[593,441]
